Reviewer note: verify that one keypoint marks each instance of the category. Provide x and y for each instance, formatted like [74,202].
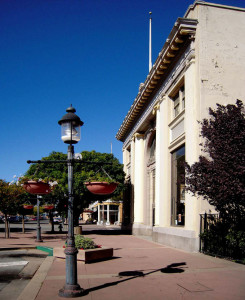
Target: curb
[49,250]
[32,289]
[17,248]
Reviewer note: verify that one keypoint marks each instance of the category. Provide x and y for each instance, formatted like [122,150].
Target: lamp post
[70,134]
[39,239]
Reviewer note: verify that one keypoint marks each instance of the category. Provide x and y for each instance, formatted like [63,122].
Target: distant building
[86,214]
[108,212]
[201,63]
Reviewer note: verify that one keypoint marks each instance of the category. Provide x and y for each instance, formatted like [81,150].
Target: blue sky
[93,54]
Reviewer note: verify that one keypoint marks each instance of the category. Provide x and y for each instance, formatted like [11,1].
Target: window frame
[178,100]
[177,189]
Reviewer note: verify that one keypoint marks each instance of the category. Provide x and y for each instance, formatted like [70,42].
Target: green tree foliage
[82,172]
[219,176]
[10,200]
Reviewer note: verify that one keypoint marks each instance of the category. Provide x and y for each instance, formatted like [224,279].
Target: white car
[57,220]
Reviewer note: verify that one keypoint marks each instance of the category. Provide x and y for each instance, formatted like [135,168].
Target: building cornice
[198,2]
[183,32]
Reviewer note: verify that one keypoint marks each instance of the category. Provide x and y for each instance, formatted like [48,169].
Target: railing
[222,236]
[206,220]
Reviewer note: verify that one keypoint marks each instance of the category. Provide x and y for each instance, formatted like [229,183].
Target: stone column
[132,162]
[139,178]
[192,148]
[99,219]
[118,215]
[162,204]
[108,215]
[156,111]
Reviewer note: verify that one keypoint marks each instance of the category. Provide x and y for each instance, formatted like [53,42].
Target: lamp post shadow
[170,269]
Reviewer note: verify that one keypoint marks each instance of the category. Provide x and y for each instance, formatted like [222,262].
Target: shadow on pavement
[25,255]
[14,229]
[53,234]
[106,232]
[136,274]
[52,237]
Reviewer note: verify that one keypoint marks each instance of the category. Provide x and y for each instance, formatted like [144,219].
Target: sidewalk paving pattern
[140,269]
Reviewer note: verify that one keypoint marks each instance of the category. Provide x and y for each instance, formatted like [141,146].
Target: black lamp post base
[71,291]
[39,241]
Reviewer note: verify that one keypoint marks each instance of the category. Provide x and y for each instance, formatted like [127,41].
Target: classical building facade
[201,63]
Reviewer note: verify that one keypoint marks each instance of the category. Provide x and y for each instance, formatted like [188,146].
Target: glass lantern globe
[69,133]
[70,127]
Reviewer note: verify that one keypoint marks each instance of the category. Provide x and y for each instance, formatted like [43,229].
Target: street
[17,267]
[29,226]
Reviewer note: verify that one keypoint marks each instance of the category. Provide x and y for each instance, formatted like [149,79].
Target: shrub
[82,242]
[224,239]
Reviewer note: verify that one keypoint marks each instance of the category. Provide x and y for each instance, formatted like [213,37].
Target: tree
[219,175]
[25,198]
[10,200]
[82,172]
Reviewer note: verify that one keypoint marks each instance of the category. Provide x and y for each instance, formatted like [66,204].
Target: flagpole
[150,60]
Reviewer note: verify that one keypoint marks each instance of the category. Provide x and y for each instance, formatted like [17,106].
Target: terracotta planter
[28,206]
[48,207]
[37,188]
[101,188]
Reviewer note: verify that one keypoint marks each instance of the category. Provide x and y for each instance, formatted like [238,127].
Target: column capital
[162,97]
[139,135]
[156,107]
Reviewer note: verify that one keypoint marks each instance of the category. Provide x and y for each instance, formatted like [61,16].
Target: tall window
[178,187]
[176,105]
[178,101]
[182,95]
[153,147]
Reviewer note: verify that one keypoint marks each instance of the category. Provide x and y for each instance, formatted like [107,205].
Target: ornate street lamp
[70,134]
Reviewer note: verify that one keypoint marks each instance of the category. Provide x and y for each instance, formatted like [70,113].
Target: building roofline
[182,31]
[200,2]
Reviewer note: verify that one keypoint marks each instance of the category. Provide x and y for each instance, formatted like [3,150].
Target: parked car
[13,219]
[57,220]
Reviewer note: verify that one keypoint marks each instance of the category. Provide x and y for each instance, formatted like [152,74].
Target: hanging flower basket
[37,187]
[27,206]
[101,188]
[48,206]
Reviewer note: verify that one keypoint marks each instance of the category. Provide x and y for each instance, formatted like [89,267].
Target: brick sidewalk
[140,269]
